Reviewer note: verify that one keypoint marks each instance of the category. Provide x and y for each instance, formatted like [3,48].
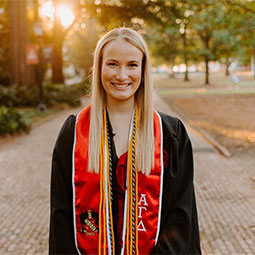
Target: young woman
[122,173]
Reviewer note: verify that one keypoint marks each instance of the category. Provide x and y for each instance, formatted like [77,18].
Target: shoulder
[177,146]
[66,135]
[172,126]
[68,127]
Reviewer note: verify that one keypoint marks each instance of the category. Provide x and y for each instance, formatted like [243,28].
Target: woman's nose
[122,73]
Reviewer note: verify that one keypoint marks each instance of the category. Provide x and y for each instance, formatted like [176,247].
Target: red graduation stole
[93,225]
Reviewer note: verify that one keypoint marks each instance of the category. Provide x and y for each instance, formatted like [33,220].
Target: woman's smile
[121,86]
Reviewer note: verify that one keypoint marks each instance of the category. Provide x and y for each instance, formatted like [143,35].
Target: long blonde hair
[143,96]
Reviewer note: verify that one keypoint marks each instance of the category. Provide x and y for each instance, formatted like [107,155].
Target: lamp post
[38,31]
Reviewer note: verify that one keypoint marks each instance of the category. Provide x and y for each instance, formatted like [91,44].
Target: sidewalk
[225,194]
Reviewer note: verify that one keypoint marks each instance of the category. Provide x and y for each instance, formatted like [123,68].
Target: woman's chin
[121,97]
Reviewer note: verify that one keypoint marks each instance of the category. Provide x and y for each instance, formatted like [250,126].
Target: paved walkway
[225,191]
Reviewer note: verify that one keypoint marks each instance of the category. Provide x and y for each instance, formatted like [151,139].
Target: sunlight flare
[47,9]
[64,12]
[66,15]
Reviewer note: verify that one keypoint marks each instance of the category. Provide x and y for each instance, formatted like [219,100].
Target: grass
[32,115]
[223,110]
[219,85]
[204,91]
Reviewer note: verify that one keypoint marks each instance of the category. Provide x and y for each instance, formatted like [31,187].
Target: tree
[82,44]
[164,46]
[4,44]
[19,37]
[205,24]
[227,39]
[59,34]
[242,28]
[154,19]
[185,21]
[247,35]
[187,29]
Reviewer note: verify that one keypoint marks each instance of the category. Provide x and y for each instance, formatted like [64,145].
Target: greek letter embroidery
[142,206]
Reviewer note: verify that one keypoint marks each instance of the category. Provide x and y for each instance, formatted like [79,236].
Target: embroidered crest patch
[89,222]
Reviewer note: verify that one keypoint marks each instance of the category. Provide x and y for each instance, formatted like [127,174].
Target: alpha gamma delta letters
[142,206]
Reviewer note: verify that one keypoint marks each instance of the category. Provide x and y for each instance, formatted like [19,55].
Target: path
[224,188]
[225,192]
[24,187]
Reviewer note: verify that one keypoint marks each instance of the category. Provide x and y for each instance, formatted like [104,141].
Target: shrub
[12,122]
[4,79]
[20,96]
[70,94]
[6,97]
[16,96]
[25,96]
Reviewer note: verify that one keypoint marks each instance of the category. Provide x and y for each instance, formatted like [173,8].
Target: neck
[123,107]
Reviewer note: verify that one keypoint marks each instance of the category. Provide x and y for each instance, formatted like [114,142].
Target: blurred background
[197,48]
[203,58]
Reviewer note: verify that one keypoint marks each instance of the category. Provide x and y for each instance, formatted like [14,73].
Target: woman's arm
[179,232]
[61,237]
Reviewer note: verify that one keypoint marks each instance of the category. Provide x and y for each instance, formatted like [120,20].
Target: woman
[122,174]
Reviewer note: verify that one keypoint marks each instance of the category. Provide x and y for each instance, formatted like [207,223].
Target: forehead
[121,49]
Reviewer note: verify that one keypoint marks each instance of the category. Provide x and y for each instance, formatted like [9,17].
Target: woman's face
[121,70]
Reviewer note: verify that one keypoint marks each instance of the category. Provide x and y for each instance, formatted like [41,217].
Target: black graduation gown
[179,231]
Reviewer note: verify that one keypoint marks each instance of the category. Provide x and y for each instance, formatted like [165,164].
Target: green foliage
[164,44]
[81,46]
[12,122]
[188,31]
[6,97]
[18,96]
[71,95]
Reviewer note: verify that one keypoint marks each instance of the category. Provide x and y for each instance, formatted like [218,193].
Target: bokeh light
[64,12]
[66,15]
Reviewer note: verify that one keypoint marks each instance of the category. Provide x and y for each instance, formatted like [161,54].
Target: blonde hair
[143,96]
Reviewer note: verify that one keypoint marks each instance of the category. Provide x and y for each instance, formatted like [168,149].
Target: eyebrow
[131,61]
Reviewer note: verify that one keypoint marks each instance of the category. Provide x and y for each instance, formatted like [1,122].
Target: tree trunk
[207,71]
[227,67]
[21,73]
[57,61]
[172,73]
[207,39]
[186,77]
[254,63]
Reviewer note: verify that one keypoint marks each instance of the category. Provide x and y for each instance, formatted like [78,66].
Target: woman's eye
[112,64]
[133,65]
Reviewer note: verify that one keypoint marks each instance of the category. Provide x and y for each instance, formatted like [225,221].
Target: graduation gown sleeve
[61,236]
[179,233]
